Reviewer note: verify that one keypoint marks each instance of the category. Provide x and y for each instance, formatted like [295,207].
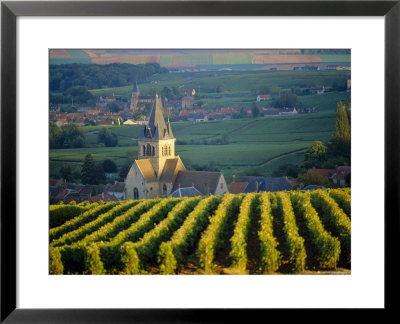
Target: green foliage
[288,100]
[88,228]
[147,247]
[270,256]
[315,155]
[79,94]
[173,253]
[113,107]
[239,239]
[326,247]
[92,172]
[107,137]
[174,235]
[92,76]
[295,254]
[67,136]
[313,178]
[59,214]
[109,166]
[211,240]
[335,221]
[55,263]
[78,221]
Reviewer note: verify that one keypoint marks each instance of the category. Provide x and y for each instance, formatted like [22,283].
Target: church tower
[156,141]
[135,98]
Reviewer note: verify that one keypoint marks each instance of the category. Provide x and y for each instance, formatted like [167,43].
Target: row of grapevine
[59,214]
[212,240]
[245,233]
[270,256]
[120,223]
[80,220]
[239,239]
[174,252]
[343,199]
[325,247]
[335,220]
[136,256]
[81,232]
[295,253]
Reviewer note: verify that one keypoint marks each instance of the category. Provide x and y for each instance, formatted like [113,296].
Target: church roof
[146,169]
[135,88]
[169,170]
[204,181]
[156,127]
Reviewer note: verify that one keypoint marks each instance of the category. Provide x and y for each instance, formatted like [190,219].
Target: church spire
[156,127]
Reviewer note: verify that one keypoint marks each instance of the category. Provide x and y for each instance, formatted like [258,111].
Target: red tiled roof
[341,172]
[324,172]
[237,187]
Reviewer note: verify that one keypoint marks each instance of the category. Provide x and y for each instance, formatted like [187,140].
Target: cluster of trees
[173,93]
[67,136]
[95,76]
[107,137]
[91,171]
[337,150]
[324,156]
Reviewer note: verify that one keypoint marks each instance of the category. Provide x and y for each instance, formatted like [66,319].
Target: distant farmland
[190,58]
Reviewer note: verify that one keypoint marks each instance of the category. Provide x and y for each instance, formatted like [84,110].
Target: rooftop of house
[237,187]
[186,192]
[204,181]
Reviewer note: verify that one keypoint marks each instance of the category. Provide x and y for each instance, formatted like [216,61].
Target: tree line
[96,76]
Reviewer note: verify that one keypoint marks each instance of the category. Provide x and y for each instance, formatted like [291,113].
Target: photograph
[199,161]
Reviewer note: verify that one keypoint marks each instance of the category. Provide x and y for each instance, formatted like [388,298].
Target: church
[158,171]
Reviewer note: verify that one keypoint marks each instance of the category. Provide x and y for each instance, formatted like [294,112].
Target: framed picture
[32,30]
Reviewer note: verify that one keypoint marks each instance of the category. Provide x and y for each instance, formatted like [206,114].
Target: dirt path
[279,157]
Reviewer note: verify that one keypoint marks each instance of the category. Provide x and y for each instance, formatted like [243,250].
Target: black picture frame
[10,10]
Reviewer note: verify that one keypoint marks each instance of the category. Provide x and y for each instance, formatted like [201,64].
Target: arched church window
[148,151]
[169,150]
[164,189]
[144,150]
[166,149]
[152,150]
[135,193]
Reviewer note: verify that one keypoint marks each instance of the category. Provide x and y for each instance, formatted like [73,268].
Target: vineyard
[254,233]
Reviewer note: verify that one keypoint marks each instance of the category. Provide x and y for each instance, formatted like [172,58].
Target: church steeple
[156,127]
[156,141]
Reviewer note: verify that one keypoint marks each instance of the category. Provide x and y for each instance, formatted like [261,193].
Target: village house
[341,176]
[158,171]
[317,90]
[257,184]
[263,97]
[187,102]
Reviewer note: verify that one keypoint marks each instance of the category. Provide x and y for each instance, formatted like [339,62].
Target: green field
[252,142]
[256,144]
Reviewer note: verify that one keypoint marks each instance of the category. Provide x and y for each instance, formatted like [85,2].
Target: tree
[113,107]
[313,178]
[80,94]
[220,88]
[66,172]
[89,171]
[72,136]
[107,137]
[109,166]
[315,155]
[123,172]
[342,124]
[288,100]
[54,135]
[254,110]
